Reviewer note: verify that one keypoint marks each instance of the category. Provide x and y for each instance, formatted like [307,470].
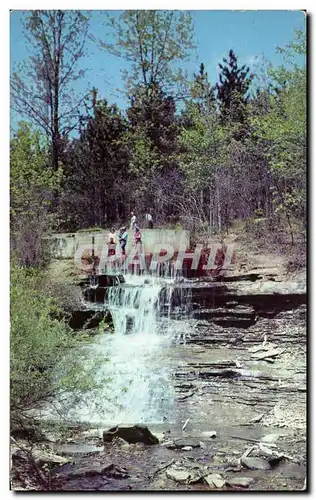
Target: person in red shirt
[138,240]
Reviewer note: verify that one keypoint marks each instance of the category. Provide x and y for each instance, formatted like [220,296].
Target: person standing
[123,240]
[111,241]
[133,221]
[138,240]
[149,220]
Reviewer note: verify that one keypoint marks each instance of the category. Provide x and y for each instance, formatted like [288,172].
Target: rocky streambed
[237,366]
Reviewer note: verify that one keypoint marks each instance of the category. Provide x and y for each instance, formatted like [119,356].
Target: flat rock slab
[267,354]
[49,458]
[180,476]
[215,481]
[242,482]
[255,463]
[131,434]
[257,419]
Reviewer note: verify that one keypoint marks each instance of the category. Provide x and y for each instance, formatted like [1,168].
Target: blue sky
[250,34]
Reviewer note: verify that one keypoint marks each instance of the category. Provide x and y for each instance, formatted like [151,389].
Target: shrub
[45,367]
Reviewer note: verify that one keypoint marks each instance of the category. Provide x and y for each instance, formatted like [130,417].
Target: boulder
[131,434]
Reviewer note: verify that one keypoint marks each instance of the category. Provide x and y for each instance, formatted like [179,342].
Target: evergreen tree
[96,170]
[233,91]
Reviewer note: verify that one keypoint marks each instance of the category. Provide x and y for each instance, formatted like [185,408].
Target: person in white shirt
[149,220]
[133,222]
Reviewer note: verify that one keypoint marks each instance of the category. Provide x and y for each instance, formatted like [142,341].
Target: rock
[243,482]
[169,444]
[91,433]
[131,434]
[110,470]
[255,463]
[182,442]
[121,443]
[269,438]
[214,480]
[219,483]
[159,484]
[256,419]
[187,448]
[266,451]
[180,476]
[213,434]
[49,458]
[267,354]
[90,470]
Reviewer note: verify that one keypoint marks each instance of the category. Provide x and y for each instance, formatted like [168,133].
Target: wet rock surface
[239,421]
[259,414]
[131,434]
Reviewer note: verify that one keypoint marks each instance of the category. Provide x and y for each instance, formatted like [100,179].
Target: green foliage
[226,152]
[45,366]
[95,167]
[154,42]
[32,181]
[32,186]
[282,133]
[233,92]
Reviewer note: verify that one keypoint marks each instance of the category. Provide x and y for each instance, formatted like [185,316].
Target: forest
[200,155]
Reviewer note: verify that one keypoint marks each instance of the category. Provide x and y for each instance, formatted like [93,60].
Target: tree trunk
[210,210]
[218,202]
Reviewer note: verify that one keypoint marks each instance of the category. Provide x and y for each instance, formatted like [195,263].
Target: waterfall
[135,305]
[134,373]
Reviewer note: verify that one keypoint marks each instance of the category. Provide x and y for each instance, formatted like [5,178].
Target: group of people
[122,236]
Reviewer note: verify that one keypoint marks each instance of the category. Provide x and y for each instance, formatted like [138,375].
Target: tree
[154,136]
[32,183]
[96,171]
[233,91]
[202,158]
[282,135]
[155,43]
[202,92]
[155,113]
[42,86]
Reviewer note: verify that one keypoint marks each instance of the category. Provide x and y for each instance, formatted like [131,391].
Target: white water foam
[134,359]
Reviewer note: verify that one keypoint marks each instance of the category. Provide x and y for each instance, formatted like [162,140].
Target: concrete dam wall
[66,245]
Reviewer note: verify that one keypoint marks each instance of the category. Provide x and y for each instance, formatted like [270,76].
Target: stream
[219,363]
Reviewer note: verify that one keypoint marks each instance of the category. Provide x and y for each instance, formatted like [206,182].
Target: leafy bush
[45,367]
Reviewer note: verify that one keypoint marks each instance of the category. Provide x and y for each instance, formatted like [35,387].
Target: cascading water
[135,369]
[134,373]
[135,306]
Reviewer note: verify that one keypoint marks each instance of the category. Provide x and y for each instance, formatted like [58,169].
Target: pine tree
[233,90]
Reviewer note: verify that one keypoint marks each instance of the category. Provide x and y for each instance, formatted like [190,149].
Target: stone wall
[64,245]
